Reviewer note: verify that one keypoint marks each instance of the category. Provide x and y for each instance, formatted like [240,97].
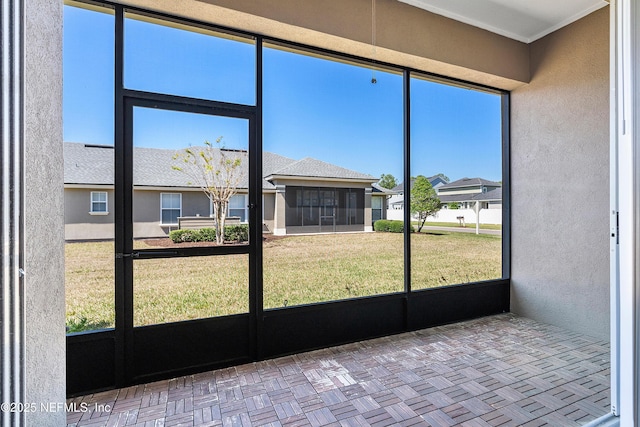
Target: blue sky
[312,107]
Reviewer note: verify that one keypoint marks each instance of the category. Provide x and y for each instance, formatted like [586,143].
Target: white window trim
[245,204]
[164,224]
[106,204]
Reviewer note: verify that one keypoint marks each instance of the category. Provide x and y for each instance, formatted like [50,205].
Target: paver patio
[501,370]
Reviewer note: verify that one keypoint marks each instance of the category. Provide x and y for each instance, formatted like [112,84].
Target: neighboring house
[380,198]
[299,196]
[467,191]
[396,201]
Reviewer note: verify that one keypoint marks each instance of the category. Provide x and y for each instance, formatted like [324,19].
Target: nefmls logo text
[73,407]
[62,406]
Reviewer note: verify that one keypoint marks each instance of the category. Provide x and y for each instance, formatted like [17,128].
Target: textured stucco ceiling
[523,20]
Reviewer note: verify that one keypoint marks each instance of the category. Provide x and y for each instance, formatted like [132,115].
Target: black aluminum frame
[126,355]
[146,352]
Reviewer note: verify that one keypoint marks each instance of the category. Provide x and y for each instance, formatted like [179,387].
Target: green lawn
[297,270]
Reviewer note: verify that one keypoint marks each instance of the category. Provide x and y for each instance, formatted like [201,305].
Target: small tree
[424,200]
[217,172]
[387,181]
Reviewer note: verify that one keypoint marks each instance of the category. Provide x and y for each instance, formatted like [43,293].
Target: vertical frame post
[255,220]
[406,97]
[123,319]
[505,111]
[627,115]
[614,257]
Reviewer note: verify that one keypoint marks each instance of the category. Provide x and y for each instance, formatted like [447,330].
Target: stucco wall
[560,180]
[405,35]
[268,208]
[77,205]
[44,221]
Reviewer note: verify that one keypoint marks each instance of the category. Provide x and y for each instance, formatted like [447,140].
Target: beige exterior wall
[80,224]
[560,180]
[368,225]
[146,211]
[268,211]
[405,35]
[279,219]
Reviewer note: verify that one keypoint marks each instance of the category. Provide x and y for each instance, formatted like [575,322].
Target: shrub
[381,225]
[184,235]
[236,233]
[207,234]
[396,226]
[233,233]
[391,226]
[453,205]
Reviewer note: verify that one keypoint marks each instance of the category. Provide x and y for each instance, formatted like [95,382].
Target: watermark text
[52,407]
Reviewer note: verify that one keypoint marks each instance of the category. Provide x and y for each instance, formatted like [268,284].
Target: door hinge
[131,255]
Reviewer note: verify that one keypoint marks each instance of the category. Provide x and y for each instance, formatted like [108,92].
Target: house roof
[314,168]
[88,164]
[469,182]
[153,167]
[432,179]
[490,196]
[376,188]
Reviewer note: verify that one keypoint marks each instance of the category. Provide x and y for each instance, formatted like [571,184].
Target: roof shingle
[93,164]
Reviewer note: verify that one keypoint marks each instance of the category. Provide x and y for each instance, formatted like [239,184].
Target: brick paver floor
[496,371]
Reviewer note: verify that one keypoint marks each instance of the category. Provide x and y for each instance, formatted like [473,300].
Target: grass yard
[457,225]
[443,258]
[297,270]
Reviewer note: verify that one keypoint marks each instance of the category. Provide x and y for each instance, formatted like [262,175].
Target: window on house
[99,202]
[170,208]
[376,208]
[238,207]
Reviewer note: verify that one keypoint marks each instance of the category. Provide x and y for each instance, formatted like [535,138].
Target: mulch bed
[165,242]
